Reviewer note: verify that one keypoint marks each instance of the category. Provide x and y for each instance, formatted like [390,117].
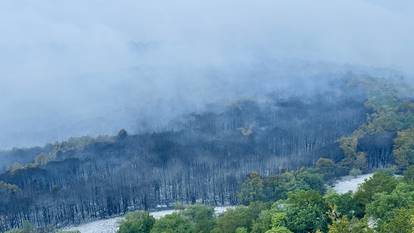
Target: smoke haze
[71,68]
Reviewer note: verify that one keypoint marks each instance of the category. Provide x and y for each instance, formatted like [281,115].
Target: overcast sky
[78,67]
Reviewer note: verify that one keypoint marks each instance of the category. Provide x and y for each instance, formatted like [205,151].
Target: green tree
[384,203]
[137,222]
[326,167]
[343,225]
[201,216]
[404,148]
[263,223]
[340,226]
[241,230]
[310,180]
[279,230]
[342,204]
[379,182]
[173,223]
[397,221]
[361,161]
[252,189]
[234,218]
[353,158]
[305,211]
[409,174]
[306,179]
[278,221]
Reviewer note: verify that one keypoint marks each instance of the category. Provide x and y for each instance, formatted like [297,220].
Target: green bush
[173,223]
[137,222]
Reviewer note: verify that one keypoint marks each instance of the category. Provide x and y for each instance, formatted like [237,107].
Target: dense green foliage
[201,216]
[173,223]
[343,225]
[404,148]
[390,126]
[384,203]
[139,222]
[305,211]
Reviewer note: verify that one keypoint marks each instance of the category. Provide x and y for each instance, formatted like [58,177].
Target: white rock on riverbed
[350,183]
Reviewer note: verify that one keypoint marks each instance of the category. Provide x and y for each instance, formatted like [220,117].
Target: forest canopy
[274,158]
